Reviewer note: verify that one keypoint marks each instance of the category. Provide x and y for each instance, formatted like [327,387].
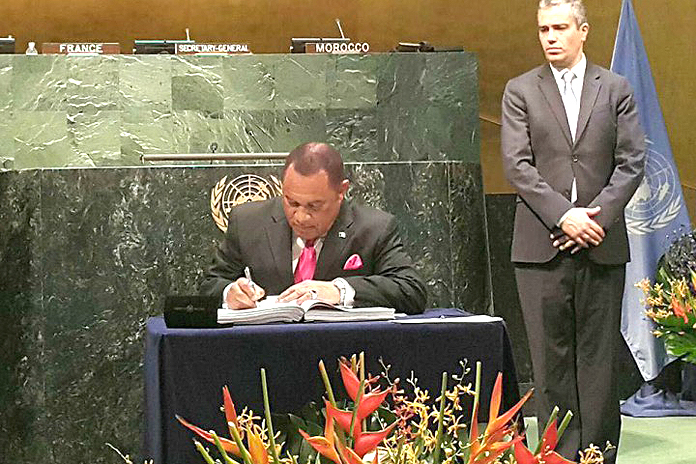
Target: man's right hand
[581,229]
[243,294]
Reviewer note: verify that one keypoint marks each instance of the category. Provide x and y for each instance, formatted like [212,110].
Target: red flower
[547,455]
[492,444]
[342,418]
[324,445]
[257,450]
[230,412]
[369,402]
[368,441]
[363,442]
[228,445]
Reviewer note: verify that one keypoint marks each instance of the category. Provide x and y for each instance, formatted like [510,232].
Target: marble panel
[420,197]
[39,83]
[354,133]
[469,251]
[194,93]
[380,106]
[96,139]
[414,99]
[7,144]
[144,130]
[301,81]
[243,131]
[7,152]
[197,84]
[109,260]
[250,131]
[22,367]
[294,127]
[146,81]
[250,82]
[92,84]
[451,80]
[352,81]
[6,66]
[41,139]
[198,131]
[398,82]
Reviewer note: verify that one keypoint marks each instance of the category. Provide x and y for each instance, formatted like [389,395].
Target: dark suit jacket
[258,236]
[540,159]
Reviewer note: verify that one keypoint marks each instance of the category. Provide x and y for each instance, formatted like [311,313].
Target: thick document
[270,310]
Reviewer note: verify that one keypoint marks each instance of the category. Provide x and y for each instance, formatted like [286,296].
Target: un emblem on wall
[658,199]
[242,189]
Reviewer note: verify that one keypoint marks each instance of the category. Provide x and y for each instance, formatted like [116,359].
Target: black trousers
[572,312]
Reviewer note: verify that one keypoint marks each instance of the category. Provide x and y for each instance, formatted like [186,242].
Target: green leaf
[296,421]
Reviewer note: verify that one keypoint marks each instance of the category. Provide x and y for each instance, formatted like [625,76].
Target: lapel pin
[341,234]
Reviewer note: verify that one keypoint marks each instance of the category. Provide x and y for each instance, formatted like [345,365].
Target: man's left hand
[311,290]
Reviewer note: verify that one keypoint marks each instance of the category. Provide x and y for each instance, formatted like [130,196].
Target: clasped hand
[244,294]
[579,230]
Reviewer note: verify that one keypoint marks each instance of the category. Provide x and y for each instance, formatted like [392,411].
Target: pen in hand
[247,274]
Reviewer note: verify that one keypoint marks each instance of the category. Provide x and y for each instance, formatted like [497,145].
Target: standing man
[573,149]
[312,243]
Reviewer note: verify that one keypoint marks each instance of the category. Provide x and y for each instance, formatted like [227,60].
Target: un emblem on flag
[658,199]
[242,189]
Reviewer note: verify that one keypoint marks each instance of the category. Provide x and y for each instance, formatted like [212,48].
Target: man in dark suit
[313,244]
[574,151]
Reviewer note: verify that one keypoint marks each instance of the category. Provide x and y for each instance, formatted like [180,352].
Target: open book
[269,310]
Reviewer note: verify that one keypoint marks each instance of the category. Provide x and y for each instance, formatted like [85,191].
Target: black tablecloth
[185,369]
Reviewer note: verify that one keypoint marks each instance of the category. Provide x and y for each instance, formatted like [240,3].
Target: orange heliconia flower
[228,445]
[492,444]
[323,445]
[369,401]
[257,449]
[547,455]
[363,442]
[230,411]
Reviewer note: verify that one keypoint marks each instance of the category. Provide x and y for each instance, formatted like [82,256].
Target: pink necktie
[307,263]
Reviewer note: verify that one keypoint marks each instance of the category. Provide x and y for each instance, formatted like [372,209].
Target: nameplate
[81,48]
[212,49]
[337,48]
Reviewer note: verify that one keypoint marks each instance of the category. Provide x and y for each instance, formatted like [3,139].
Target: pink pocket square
[353,263]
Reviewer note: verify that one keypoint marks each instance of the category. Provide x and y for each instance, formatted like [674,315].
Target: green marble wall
[86,255]
[58,111]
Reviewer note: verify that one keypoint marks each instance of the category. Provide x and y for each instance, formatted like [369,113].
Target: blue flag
[657,213]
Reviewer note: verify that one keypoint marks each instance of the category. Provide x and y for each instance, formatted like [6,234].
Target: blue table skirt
[185,369]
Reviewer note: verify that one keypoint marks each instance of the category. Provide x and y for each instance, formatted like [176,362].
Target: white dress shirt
[297,246]
[572,109]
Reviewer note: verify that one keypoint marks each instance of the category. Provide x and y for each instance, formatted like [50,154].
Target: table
[185,369]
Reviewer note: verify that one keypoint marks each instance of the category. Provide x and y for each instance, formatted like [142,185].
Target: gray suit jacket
[258,236]
[540,159]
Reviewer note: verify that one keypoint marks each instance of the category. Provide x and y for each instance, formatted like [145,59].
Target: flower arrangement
[671,300]
[382,424]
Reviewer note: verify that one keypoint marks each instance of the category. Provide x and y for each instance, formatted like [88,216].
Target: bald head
[313,157]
